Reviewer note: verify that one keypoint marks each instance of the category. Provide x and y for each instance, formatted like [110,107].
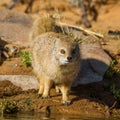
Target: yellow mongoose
[55,59]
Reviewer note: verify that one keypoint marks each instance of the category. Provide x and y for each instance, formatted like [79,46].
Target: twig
[81,29]
[113,105]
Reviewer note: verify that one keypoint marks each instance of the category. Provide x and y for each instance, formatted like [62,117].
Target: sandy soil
[91,100]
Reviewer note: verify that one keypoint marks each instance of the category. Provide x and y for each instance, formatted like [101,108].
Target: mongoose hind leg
[65,94]
[57,88]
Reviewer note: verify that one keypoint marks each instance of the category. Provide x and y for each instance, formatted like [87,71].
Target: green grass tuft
[26,58]
[8,107]
[115,91]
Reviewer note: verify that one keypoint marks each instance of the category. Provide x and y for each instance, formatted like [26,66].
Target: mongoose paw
[39,95]
[66,103]
[45,97]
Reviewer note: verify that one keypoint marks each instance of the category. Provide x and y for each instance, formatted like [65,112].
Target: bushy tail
[41,25]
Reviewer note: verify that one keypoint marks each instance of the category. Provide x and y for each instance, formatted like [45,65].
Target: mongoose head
[66,50]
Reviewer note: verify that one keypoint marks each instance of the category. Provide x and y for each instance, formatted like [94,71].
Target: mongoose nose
[69,58]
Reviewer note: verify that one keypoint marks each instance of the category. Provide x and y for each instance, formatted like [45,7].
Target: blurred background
[99,15]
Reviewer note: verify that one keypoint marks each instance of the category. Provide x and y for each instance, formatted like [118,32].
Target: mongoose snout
[69,58]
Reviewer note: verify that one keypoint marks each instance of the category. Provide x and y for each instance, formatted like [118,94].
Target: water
[39,116]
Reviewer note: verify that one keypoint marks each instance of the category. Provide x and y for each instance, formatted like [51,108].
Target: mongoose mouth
[66,61]
[69,61]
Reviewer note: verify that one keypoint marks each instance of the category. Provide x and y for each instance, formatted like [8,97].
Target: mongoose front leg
[65,94]
[41,88]
[47,86]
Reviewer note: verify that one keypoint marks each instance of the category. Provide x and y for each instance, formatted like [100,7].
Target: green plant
[80,40]
[115,91]
[71,34]
[112,70]
[8,107]
[109,73]
[118,71]
[28,101]
[112,63]
[26,58]
[29,104]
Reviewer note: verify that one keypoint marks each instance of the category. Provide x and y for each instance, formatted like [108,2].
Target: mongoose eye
[62,51]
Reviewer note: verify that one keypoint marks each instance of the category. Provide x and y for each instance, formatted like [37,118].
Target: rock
[24,81]
[94,64]
[15,27]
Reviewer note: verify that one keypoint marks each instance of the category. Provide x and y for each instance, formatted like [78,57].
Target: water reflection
[39,116]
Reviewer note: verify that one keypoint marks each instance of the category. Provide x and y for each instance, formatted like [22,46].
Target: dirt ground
[96,99]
